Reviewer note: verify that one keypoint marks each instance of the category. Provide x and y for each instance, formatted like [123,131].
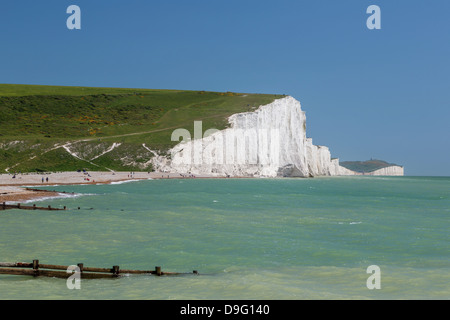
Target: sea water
[247,238]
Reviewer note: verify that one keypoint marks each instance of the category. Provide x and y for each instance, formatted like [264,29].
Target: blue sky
[381,94]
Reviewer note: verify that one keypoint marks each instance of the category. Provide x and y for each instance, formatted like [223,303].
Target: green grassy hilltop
[56,128]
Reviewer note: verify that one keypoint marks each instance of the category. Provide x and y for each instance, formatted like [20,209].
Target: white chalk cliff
[387,171]
[268,142]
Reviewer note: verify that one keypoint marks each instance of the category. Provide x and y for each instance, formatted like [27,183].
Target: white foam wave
[354,222]
[128,181]
[59,196]
[121,182]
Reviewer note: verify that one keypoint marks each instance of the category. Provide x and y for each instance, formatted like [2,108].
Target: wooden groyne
[36,269]
[5,206]
[18,205]
[48,191]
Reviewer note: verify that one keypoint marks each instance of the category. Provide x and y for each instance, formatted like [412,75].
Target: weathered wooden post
[158,271]
[34,206]
[64,207]
[49,208]
[36,267]
[115,270]
[80,265]
[18,206]
[4,205]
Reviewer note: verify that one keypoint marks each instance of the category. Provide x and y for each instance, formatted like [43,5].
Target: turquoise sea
[248,238]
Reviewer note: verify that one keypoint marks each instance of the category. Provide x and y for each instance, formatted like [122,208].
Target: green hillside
[37,121]
[366,166]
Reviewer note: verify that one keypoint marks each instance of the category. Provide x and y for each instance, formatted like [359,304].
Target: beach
[19,187]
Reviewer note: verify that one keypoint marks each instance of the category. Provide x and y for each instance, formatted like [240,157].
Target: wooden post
[49,208]
[36,267]
[4,205]
[158,271]
[64,207]
[18,206]
[80,265]
[34,206]
[115,270]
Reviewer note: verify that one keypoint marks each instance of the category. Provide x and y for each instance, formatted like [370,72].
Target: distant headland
[373,167]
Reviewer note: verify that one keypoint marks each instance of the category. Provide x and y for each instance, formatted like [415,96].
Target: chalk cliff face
[342,171]
[388,171]
[269,142]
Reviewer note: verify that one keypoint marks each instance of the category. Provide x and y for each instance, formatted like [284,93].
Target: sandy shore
[13,187]
[18,194]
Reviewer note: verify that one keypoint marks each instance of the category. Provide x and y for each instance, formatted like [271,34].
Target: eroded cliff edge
[268,142]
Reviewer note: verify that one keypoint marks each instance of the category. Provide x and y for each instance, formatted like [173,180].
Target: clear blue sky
[381,94]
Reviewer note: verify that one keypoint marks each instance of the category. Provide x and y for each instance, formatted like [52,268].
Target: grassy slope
[40,117]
